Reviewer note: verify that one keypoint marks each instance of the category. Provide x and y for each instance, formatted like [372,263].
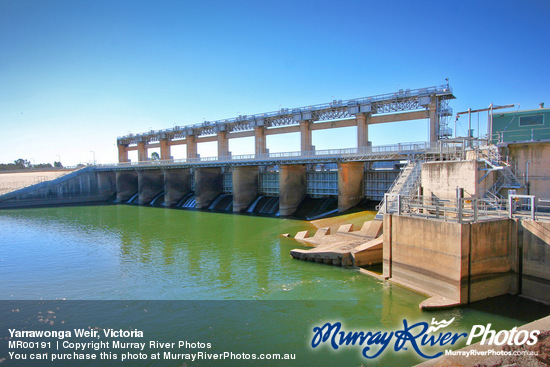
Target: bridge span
[424,103]
[344,177]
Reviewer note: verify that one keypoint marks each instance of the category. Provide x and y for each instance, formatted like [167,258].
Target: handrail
[401,148]
[407,93]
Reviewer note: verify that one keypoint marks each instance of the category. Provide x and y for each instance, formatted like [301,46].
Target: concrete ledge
[438,303]
[321,232]
[301,235]
[345,228]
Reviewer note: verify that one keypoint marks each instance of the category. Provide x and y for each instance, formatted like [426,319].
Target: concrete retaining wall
[443,178]
[462,262]
[538,154]
[535,280]
[82,186]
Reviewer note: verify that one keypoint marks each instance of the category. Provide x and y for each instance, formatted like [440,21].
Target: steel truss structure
[401,101]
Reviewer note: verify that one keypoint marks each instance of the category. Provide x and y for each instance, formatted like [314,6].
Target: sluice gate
[308,191]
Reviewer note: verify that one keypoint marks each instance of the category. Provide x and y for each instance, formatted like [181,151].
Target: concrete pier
[363,130]
[122,153]
[126,185]
[106,183]
[260,143]
[305,136]
[142,151]
[292,187]
[245,186]
[177,183]
[165,149]
[208,185]
[191,145]
[223,144]
[351,181]
[150,184]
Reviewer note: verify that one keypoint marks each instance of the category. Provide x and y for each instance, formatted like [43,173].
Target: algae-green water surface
[222,278]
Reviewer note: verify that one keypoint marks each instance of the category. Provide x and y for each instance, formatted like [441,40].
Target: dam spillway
[345,176]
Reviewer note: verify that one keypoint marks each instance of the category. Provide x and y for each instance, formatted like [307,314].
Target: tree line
[21,163]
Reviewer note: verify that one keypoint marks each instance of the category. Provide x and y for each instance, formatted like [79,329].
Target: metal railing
[517,135]
[371,152]
[467,210]
[220,125]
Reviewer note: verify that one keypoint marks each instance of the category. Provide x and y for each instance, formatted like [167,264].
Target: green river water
[204,277]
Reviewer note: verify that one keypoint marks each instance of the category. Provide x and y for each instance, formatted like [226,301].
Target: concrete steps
[345,247]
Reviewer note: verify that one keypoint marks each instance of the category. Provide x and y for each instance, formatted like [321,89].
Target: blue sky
[76,74]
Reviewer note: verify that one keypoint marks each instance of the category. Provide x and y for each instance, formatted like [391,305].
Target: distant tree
[155,156]
[42,165]
[57,164]
[22,163]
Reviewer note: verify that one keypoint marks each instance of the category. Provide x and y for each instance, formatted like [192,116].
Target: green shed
[519,126]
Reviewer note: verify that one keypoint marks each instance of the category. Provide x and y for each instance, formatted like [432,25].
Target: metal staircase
[405,184]
[506,178]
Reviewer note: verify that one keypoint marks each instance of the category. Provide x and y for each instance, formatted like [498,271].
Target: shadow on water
[313,208]
[515,307]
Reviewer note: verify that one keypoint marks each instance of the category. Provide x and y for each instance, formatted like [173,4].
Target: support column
[292,187]
[305,136]
[362,130]
[177,184]
[150,184]
[165,149]
[351,184]
[223,144]
[122,153]
[142,151]
[434,121]
[245,186]
[126,185]
[191,146]
[259,138]
[208,185]
[106,183]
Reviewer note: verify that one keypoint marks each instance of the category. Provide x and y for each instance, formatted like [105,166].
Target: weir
[308,184]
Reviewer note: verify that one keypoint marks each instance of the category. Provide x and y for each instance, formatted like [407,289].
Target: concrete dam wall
[82,186]
[290,190]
